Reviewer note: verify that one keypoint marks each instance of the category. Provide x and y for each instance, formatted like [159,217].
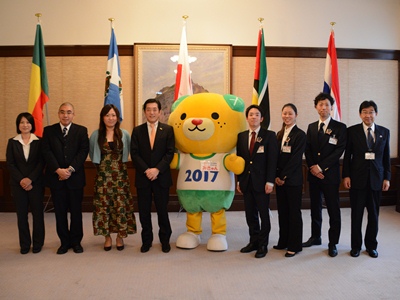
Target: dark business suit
[159,157]
[60,152]
[19,169]
[325,154]
[366,181]
[289,195]
[260,168]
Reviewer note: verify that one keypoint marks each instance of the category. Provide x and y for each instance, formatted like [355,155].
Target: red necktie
[252,142]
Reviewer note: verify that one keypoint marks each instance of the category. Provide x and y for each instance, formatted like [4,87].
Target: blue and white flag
[113,90]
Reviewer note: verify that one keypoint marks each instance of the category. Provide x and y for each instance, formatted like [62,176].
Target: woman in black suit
[289,182]
[25,163]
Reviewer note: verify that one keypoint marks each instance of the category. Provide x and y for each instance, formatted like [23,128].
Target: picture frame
[155,73]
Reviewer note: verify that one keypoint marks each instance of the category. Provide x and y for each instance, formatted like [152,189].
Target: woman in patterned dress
[112,200]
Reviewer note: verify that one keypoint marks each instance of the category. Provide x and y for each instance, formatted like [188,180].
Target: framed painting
[155,72]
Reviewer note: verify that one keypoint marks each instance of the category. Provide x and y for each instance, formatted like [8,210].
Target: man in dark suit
[326,141]
[152,150]
[259,148]
[65,148]
[366,172]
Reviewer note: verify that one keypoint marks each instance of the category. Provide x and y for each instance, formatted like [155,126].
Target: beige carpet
[198,273]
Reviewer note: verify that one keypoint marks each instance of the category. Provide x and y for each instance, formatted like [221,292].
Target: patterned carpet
[198,273]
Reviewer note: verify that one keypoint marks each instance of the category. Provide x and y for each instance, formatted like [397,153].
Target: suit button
[249,172]
[319,153]
[251,162]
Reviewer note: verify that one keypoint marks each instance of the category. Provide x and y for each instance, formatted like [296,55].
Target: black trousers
[359,200]
[160,196]
[257,209]
[24,201]
[331,196]
[64,200]
[290,220]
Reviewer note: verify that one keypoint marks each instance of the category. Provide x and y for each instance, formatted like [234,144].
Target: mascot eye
[183,116]
[215,116]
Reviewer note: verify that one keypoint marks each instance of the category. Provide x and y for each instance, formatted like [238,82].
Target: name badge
[369,155]
[333,140]
[287,149]
[260,149]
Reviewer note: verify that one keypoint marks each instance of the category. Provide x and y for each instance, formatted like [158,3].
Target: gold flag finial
[38,15]
[333,24]
[260,20]
[185,17]
[111,22]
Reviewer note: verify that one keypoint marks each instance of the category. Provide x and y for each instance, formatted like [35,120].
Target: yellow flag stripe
[35,87]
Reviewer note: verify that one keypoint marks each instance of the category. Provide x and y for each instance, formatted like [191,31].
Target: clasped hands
[152,173]
[26,184]
[63,174]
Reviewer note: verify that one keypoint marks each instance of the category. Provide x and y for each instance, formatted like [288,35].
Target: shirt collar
[366,127]
[68,126]
[326,122]
[256,131]
[31,138]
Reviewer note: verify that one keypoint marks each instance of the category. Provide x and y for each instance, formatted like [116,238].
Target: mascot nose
[197,121]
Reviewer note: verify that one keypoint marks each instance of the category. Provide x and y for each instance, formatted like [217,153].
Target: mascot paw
[188,240]
[217,243]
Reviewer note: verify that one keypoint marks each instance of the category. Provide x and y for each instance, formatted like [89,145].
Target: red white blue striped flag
[331,78]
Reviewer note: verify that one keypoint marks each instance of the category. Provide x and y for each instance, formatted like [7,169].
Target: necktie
[65,131]
[321,133]
[252,142]
[152,135]
[370,139]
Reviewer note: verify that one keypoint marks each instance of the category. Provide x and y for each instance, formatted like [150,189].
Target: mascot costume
[206,126]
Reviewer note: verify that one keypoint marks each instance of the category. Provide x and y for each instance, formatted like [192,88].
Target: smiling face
[66,114]
[205,123]
[110,119]
[368,115]
[254,118]
[288,116]
[24,126]
[152,112]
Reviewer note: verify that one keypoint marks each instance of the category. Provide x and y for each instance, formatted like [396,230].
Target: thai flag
[113,88]
[331,78]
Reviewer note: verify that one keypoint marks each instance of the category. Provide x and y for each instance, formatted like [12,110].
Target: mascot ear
[177,102]
[234,102]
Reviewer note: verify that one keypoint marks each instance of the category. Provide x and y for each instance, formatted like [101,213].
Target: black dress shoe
[332,251]
[372,253]
[24,250]
[355,253]
[312,242]
[107,248]
[145,248]
[62,250]
[166,248]
[249,248]
[290,254]
[277,247]
[261,252]
[36,249]
[77,248]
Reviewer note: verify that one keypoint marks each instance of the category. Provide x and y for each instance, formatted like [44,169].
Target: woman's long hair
[281,132]
[103,130]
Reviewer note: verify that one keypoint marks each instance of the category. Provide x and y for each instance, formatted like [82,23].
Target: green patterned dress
[113,203]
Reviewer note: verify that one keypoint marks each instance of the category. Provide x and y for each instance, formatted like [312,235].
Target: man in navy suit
[257,180]
[152,150]
[366,172]
[65,147]
[326,141]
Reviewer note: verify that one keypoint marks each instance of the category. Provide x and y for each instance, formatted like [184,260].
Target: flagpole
[111,22]
[38,15]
